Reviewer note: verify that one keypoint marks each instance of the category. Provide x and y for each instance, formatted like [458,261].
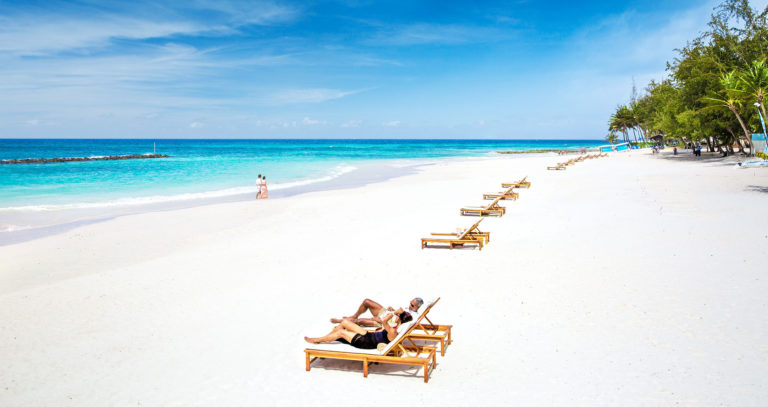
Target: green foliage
[762,155]
[712,84]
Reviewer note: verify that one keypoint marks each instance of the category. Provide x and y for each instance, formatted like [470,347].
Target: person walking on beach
[258,187]
[264,194]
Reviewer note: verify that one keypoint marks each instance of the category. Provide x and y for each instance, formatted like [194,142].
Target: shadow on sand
[706,157]
[373,368]
[757,188]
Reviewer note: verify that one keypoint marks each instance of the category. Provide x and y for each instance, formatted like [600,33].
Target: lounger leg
[442,346]
[365,367]
[426,372]
[308,362]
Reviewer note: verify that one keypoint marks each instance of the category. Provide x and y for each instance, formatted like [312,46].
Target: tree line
[713,88]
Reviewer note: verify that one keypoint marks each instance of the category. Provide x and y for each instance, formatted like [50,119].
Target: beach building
[759,143]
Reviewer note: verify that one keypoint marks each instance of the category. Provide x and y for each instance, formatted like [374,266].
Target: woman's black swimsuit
[367,341]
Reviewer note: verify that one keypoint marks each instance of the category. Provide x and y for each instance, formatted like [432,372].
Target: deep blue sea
[199,169]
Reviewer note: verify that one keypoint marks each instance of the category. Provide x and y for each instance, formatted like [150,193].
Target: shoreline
[74,218]
[68,219]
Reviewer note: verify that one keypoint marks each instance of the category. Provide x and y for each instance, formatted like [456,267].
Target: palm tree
[731,99]
[622,121]
[611,137]
[754,82]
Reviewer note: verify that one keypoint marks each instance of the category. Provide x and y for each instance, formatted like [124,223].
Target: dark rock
[69,159]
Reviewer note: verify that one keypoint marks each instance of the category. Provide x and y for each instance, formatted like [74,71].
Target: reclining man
[378,311]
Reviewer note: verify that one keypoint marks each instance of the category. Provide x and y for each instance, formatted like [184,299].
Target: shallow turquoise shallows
[207,168]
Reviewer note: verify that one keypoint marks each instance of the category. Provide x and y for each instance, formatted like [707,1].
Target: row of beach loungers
[406,349]
[561,166]
[472,235]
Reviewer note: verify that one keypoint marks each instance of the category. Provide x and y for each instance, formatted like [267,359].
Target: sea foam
[155,199]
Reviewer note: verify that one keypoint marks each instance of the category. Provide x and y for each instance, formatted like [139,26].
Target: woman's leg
[332,336]
[348,325]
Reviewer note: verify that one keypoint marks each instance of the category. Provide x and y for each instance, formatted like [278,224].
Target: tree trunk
[644,134]
[735,139]
[744,127]
[709,144]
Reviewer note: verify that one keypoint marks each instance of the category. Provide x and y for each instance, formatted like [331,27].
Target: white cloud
[352,124]
[195,125]
[311,122]
[394,123]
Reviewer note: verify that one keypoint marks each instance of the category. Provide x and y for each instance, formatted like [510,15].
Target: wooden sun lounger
[432,332]
[402,351]
[519,184]
[492,209]
[509,194]
[471,236]
[556,167]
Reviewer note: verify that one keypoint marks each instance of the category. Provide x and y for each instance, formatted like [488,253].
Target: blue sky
[331,69]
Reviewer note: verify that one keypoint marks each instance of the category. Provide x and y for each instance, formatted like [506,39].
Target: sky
[331,69]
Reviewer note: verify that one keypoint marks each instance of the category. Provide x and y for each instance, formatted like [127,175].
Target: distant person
[258,187]
[674,150]
[264,192]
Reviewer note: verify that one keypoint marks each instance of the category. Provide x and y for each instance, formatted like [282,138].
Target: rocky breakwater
[71,159]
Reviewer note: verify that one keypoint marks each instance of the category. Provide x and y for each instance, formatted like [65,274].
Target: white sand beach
[633,280]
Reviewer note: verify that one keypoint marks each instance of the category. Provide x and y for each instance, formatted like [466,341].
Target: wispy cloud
[425,33]
[249,12]
[40,33]
[35,36]
[394,123]
[623,40]
[311,122]
[315,95]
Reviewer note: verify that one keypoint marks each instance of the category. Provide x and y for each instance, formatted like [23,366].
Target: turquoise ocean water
[206,169]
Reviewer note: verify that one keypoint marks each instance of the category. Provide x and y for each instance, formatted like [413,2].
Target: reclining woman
[353,334]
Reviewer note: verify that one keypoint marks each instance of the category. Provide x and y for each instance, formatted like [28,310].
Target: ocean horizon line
[304,139]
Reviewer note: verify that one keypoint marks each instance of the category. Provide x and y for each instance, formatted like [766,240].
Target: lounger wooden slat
[432,332]
[401,351]
[508,195]
[471,236]
[556,167]
[486,236]
[519,184]
[492,209]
